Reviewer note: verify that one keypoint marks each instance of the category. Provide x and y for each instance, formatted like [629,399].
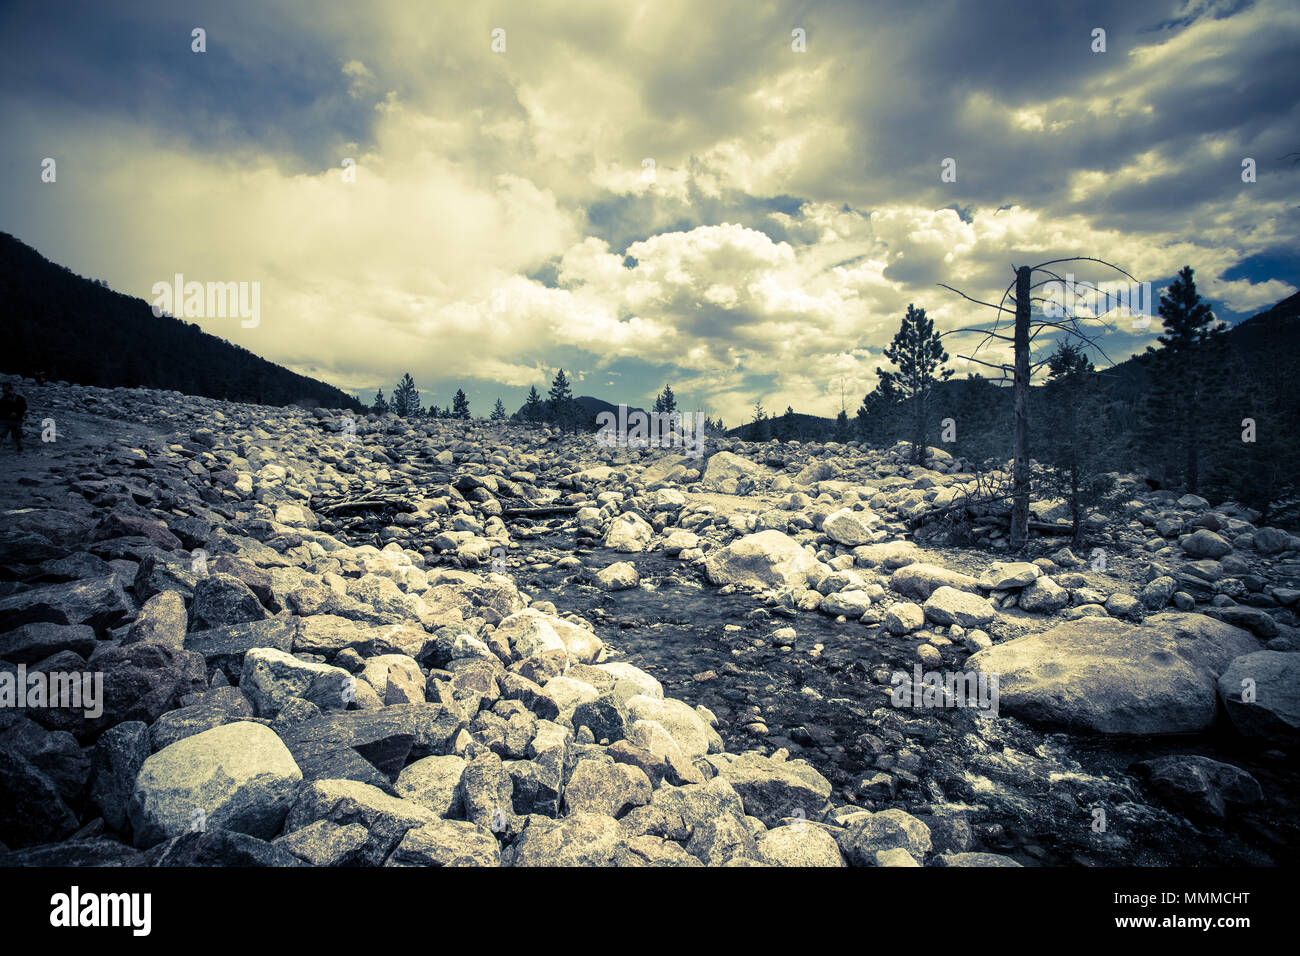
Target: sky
[737,198]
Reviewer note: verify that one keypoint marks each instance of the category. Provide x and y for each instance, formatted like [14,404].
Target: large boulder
[97,602]
[1004,577]
[768,559]
[1201,785]
[1261,692]
[1106,676]
[687,728]
[386,818]
[772,789]
[238,777]
[629,533]
[850,527]
[724,467]
[581,839]
[1205,544]
[270,677]
[1043,596]
[947,605]
[921,580]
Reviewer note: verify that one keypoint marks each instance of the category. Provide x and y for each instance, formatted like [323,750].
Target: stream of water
[1043,798]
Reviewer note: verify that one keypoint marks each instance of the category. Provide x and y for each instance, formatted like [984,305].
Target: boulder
[850,527]
[1205,544]
[237,777]
[772,789]
[1272,678]
[947,605]
[904,618]
[1200,785]
[629,533]
[620,576]
[798,844]
[1005,577]
[921,580]
[1107,676]
[767,559]
[1044,596]
[100,603]
[270,677]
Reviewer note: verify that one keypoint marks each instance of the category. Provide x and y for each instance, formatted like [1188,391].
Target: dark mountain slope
[78,330]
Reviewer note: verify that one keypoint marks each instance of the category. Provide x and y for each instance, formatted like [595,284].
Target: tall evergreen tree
[842,432]
[918,355]
[667,401]
[1077,447]
[380,405]
[878,415]
[406,398]
[534,409]
[498,411]
[759,427]
[460,405]
[1183,373]
[563,410]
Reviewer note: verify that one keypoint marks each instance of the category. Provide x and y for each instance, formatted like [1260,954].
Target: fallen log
[541,511]
[1049,528]
[365,504]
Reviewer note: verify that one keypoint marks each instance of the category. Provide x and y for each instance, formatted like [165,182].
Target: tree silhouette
[381,405]
[1075,449]
[563,412]
[1024,332]
[406,398]
[460,405]
[667,401]
[534,409]
[1183,373]
[919,356]
[498,411]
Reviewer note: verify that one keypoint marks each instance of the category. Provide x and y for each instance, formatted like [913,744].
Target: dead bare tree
[1026,328]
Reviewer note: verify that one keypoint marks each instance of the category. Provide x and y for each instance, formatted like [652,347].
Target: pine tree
[1183,371]
[759,428]
[381,404]
[498,411]
[460,405]
[406,398]
[534,409]
[843,432]
[563,412]
[918,355]
[1076,449]
[1252,455]
[667,401]
[878,415]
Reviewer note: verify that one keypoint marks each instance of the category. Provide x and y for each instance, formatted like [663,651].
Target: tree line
[1195,413]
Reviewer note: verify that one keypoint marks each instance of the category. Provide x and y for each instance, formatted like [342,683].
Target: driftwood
[1051,528]
[542,511]
[354,505]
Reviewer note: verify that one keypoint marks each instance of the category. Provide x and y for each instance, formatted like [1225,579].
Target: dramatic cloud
[648,192]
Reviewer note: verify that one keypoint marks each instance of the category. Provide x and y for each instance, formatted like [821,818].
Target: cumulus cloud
[640,192]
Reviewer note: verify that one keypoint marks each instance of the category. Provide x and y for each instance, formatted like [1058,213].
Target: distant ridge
[78,330]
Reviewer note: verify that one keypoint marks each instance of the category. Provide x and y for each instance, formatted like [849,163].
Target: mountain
[1266,337]
[78,330]
[590,406]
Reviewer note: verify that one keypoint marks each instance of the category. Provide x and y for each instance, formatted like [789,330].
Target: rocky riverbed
[327,639]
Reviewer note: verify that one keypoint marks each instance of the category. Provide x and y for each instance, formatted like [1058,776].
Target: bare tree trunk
[1020,469]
